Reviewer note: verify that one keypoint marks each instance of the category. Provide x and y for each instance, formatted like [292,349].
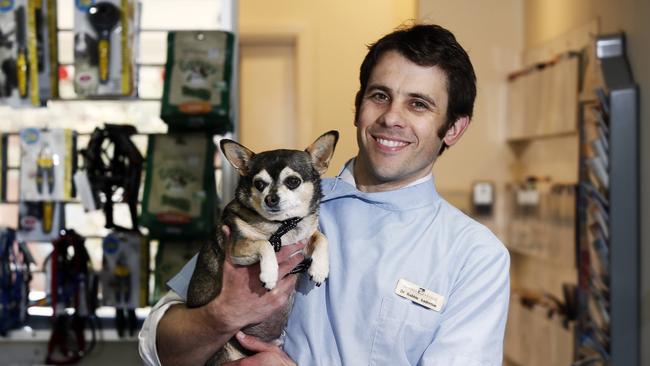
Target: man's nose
[393,116]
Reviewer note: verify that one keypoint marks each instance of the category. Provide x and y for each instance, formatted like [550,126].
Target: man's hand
[243,300]
[267,354]
[191,336]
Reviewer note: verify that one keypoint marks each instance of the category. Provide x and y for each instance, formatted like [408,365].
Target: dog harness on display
[109,169]
[286,226]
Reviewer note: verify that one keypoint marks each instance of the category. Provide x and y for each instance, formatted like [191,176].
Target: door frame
[300,37]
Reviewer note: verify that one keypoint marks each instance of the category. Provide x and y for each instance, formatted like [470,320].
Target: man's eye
[380,97]
[260,184]
[292,182]
[419,105]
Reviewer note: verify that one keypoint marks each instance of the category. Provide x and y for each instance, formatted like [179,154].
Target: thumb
[253,343]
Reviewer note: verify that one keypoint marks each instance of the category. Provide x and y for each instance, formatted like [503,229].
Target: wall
[333,36]
[494,47]
[547,19]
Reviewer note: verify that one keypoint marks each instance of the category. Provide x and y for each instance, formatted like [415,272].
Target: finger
[289,264]
[226,231]
[253,343]
[289,250]
[284,288]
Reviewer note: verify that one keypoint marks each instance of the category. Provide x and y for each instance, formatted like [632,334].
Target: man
[393,240]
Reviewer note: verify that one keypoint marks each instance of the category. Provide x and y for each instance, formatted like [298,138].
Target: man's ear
[238,155]
[322,150]
[456,130]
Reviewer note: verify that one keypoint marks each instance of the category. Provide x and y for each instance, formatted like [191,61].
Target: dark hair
[427,45]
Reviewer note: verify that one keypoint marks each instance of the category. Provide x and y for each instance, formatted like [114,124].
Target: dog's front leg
[247,253]
[268,266]
[317,250]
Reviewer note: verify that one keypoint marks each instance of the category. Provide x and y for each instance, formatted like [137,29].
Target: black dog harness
[285,226]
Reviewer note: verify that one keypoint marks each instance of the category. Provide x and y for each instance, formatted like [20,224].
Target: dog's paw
[318,271]
[269,280]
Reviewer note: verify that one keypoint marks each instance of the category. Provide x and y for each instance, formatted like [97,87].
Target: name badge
[419,295]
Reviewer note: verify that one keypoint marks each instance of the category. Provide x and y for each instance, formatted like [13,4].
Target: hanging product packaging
[3,167]
[198,76]
[124,276]
[112,168]
[40,221]
[47,161]
[170,259]
[73,294]
[15,276]
[105,45]
[180,193]
[28,52]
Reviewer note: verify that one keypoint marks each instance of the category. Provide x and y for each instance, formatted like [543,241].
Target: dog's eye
[292,182]
[260,184]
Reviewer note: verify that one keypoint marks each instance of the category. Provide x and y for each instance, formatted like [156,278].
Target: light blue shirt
[376,239]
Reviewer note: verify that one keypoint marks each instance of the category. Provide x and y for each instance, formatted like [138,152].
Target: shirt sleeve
[178,294]
[181,282]
[473,323]
[147,335]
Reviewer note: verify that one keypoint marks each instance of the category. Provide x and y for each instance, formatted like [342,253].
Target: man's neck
[364,184]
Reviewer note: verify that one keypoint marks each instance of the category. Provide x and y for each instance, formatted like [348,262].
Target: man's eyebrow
[381,87]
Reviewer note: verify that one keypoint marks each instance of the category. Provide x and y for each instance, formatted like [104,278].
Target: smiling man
[413,281]
[401,111]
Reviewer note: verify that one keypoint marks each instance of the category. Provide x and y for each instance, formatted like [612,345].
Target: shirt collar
[415,195]
[347,175]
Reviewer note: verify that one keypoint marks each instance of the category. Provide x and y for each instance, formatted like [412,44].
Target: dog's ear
[238,155]
[322,150]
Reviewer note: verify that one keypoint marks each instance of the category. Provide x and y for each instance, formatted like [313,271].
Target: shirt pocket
[403,331]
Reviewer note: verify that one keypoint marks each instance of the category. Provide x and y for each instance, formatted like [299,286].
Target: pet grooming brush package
[124,277]
[28,52]
[47,161]
[198,79]
[180,190]
[105,47]
[40,221]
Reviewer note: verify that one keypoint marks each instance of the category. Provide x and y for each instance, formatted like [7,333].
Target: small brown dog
[276,203]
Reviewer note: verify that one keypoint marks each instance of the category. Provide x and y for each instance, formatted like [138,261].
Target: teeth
[391,143]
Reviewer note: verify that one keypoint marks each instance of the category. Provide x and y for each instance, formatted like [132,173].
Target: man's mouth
[390,144]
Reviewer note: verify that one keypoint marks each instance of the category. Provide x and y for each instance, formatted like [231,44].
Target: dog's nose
[272,200]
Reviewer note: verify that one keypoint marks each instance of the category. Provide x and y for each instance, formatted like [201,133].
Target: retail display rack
[607,331]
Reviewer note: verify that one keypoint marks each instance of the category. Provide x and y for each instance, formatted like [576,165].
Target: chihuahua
[276,203]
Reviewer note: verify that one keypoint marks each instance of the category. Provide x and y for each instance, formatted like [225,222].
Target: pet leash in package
[180,190]
[198,73]
[125,277]
[28,52]
[105,41]
[73,285]
[15,276]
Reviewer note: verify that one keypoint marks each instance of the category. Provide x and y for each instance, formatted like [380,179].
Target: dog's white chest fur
[254,245]
[304,229]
